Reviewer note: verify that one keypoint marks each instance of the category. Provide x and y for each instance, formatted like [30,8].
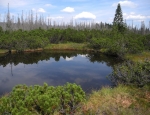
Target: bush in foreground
[43,100]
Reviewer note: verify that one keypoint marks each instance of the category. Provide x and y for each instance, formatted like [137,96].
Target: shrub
[99,43]
[45,100]
[131,73]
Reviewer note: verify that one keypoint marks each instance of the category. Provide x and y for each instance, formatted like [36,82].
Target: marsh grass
[67,46]
[139,57]
[3,51]
[61,46]
[121,100]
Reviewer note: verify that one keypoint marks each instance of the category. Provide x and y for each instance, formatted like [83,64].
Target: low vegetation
[131,73]
[140,57]
[121,100]
[70,99]
[42,100]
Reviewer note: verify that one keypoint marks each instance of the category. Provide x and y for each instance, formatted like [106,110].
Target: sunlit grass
[67,46]
[3,51]
[121,100]
[138,57]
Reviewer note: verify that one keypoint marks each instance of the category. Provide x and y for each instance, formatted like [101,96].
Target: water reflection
[55,68]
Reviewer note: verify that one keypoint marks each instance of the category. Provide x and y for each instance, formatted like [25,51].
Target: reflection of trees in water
[101,58]
[35,57]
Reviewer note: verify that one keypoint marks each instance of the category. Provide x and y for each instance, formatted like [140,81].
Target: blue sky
[65,10]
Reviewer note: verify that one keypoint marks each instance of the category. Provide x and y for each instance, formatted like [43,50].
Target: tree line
[33,21]
[116,39]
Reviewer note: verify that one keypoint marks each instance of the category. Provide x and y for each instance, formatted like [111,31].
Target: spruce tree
[118,20]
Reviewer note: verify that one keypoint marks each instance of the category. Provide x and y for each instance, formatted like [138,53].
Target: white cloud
[126,3]
[134,16]
[85,15]
[33,9]
[68,9]
[41,10]
[132,13]
[49,5]
[84,55]
[69,59]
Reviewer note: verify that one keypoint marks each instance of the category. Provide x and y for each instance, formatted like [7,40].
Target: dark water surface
[55,68]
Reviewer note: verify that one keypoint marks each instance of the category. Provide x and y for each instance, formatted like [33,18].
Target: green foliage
[98,43]
[135,46]
[43,100]
[112,46]
[118,24]
[1,30]
[118,19]
[131,73]
[146,42]
[114,42]
[119,44]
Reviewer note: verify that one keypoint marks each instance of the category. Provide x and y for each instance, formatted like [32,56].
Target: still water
[56,68]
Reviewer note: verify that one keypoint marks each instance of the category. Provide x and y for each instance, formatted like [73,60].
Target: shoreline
[125,99]
[141,57]
[67,46]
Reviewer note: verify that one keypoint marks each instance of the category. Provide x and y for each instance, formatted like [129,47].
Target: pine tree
[118,20]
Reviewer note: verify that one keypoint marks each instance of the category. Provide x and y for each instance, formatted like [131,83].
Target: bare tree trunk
[8,23]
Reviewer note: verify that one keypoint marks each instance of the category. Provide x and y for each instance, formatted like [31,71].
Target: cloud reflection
[74,68]
[69,58]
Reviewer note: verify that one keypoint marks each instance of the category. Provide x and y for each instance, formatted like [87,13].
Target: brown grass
[3,51]
[121,100]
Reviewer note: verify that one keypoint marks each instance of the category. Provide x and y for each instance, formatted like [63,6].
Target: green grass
[138,57]
[67,46]
[121,100]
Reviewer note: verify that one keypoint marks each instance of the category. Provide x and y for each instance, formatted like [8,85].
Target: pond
[89,70]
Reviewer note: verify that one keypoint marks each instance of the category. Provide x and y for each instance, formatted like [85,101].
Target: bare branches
[32,21]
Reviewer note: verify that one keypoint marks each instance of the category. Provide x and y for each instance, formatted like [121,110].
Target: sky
[82,10]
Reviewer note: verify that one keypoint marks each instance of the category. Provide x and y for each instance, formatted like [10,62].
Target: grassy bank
[3,51]
[138,57]
[121,100]
[67,46]
[62,46]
